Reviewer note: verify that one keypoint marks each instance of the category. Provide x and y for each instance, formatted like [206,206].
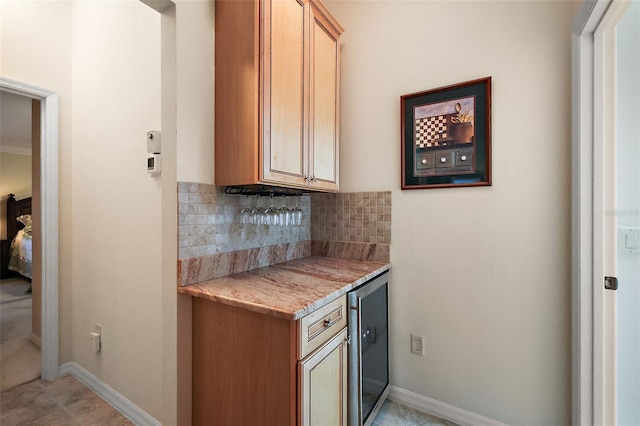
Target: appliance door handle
[358,309]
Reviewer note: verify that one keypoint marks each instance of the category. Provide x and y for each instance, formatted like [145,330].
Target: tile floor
[394,414]
[64,401]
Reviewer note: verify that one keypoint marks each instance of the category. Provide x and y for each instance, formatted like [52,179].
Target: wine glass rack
[265,191]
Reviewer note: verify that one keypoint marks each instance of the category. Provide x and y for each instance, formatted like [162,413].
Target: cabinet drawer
[321,325]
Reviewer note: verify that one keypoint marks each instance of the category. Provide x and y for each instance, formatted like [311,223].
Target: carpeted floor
[19,356]
[13,289]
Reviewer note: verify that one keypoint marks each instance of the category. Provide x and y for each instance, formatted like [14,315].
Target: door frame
[49,113]
[593,369]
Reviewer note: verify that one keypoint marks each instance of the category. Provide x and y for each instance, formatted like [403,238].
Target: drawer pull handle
[324,324]
[329,322]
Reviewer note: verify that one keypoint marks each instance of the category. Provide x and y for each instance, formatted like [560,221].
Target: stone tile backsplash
[361,217]
[192,270]
[208,222]
[347,250]
[213,243]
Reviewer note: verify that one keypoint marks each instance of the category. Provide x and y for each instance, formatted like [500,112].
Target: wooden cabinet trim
[323,22]
[237,120]
[271,141]
[336,27]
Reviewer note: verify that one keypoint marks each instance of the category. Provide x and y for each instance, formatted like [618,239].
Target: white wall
[110,209]
[190,27]
[15,123]
[628,215]
[482,273]
[195,115]
[35,41]
[15,175]
[111,273]
[116,238]
[15,178]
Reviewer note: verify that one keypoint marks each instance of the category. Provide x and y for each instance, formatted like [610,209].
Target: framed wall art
[446,136]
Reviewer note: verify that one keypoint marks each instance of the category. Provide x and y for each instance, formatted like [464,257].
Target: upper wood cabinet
[277,94]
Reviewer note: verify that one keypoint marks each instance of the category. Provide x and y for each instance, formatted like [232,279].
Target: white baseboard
[440,409]
[36,340]
[116,400]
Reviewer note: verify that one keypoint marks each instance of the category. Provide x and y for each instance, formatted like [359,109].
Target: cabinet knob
[463,158]
[443,160]
[424,161]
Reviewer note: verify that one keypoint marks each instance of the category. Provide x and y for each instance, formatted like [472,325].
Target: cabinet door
[323,383]
[324,101]
[284,91]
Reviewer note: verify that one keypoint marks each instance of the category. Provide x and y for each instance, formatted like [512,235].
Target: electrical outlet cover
[417,345]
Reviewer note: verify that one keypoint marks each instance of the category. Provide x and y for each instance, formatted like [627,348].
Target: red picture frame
[446,136]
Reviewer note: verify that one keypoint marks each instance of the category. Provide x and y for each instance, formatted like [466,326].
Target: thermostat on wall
[154,164]
[153,142]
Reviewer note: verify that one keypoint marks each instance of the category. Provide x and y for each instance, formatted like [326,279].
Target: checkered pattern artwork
[430,131]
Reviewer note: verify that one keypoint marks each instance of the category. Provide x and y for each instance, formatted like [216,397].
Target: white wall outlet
[629,240]
[417,345]
[95,338]
[94,342]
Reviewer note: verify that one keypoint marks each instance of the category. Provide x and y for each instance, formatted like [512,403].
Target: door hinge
[610,283]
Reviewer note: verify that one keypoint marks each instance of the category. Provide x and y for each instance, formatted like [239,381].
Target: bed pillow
[25,219]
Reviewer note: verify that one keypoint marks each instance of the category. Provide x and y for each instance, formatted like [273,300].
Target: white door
[617,216]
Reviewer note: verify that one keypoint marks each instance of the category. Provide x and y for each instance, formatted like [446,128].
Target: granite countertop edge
[239,290]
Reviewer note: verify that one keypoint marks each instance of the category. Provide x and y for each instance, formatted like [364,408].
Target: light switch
[629,240]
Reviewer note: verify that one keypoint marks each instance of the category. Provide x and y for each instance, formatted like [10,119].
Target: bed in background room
[18,228]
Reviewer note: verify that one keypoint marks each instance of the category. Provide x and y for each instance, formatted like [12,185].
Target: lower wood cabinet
[255,369]
[323,384]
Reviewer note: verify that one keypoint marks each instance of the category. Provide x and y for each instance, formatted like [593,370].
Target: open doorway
[605,214]
[44,116]
[20,271]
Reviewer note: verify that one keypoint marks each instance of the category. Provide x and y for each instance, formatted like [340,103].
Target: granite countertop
[291,289]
